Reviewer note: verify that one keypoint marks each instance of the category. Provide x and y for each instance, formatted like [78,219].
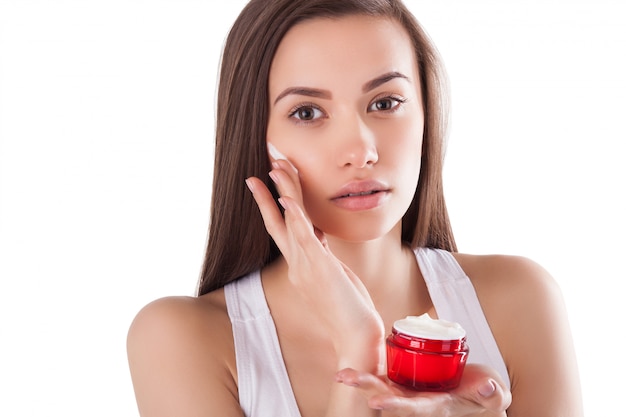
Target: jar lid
[427,328]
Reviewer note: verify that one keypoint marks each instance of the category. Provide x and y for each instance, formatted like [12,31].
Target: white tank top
[264,387]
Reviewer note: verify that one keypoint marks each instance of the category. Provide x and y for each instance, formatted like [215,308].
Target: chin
[357,232]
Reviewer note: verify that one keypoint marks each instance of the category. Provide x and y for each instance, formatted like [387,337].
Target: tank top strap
[245,298]
[263,383]
[454,299]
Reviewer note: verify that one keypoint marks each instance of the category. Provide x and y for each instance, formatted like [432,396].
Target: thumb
[484,386]
[492,396]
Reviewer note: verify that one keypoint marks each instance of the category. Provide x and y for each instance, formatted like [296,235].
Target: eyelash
[392,97]
[294,111]
[315,108]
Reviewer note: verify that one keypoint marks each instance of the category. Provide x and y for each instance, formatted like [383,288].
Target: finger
[281,163]
[368,384]
[307,253]
[276,155]
[321,237]
[302,233]
[382,396]
[418,405]
[492,396]
[287,180]
[484,386]
[272,217]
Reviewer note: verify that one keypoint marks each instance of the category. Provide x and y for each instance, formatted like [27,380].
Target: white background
[106,121]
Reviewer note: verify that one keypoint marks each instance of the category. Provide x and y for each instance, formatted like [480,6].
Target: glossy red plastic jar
[425,364]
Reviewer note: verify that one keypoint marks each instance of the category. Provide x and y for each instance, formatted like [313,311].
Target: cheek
[293,143]
[406,157]
[312,176]
[405,145]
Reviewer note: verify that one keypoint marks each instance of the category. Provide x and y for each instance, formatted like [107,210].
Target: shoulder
[512,286]
[183,319]
[520,299]
[181,356]
[500,275]
[181,313]
[526,312]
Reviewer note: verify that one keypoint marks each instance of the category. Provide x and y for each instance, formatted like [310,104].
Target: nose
[356,144]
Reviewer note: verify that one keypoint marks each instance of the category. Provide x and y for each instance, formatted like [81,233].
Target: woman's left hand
[481,392]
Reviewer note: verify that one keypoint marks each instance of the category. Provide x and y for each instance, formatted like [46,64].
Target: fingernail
[487,389]
[273,176]
[282,203]
[250,185]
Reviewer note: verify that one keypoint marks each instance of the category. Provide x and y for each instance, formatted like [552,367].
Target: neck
[378,263]
[389,271]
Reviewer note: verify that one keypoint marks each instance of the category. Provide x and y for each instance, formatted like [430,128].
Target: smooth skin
[346,109]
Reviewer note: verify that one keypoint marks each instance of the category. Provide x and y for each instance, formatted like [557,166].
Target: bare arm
[527,315]
[178,352]
[526,312]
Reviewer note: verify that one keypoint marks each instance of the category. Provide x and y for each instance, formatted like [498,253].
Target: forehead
[341,51]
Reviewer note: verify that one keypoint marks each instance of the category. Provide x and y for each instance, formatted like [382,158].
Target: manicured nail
[487,389]
[274,177]
[283,203]
[250,185]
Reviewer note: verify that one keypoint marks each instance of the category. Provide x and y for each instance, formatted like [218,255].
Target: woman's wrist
[362,357]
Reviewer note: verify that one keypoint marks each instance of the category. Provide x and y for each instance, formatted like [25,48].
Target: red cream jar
[426,354]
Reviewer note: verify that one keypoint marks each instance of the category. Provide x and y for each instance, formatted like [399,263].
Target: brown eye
[386,104]
[306,113]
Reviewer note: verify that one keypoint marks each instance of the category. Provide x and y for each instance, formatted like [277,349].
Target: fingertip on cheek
[274,152]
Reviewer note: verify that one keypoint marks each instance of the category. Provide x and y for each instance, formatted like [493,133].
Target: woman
[333,115]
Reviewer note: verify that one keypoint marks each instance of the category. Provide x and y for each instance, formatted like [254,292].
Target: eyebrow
[325,94]
[304,91]
[382,79]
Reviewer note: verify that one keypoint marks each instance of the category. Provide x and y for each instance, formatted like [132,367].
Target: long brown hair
[238,242]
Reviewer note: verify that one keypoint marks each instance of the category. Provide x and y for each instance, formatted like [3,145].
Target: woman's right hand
[481,392]
[327,285]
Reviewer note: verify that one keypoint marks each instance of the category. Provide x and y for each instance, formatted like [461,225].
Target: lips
[360,188]
[361,195]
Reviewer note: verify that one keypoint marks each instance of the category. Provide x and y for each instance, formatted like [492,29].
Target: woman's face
[346,110]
